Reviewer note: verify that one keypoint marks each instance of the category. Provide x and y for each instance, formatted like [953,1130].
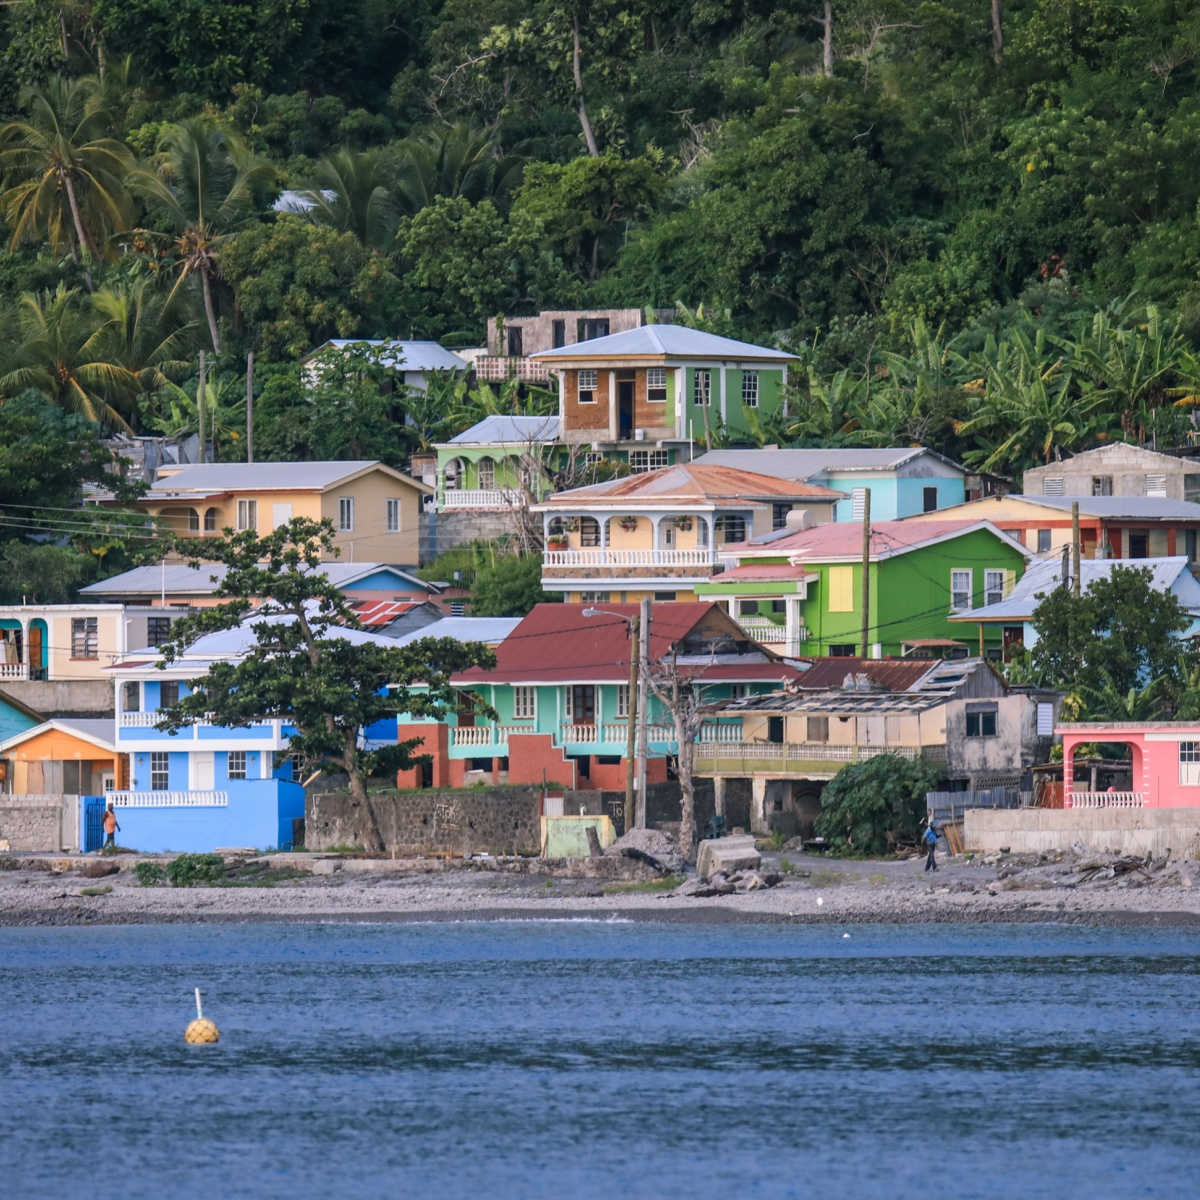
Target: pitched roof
[1137,508]
[409,356]
[206,478]
[501,430]
[100,732]
[1045,574]
[489,630]
[844,541]
[182,579]
[664,341]
[805,463]
[891,674]
[690,483]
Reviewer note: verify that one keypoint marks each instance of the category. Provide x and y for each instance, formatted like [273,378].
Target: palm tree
[828,412]
[68,179]
[207,183]
[144,332]
[61,354]
[459,161]
[351,191]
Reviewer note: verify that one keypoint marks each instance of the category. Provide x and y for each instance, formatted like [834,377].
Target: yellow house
[660,533]
[375,509]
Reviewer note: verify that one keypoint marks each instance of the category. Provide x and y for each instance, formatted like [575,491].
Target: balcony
[610,557]
[140,720]
[768,633]
[1106,799]
[14,670]
[167,799]
[788,758]
[482,498]
[495,368]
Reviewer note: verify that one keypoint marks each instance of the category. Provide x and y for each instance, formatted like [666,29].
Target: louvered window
[1156,485]
[1052,485]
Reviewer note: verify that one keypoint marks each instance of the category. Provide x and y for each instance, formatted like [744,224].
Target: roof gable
[207,478]
[664,341]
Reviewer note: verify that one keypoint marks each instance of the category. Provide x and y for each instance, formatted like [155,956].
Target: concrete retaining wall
[1102,830]
[39,823]
[64,697]
[442,531]
[487,821]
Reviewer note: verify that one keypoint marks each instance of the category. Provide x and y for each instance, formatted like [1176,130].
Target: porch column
[1068,768]
[25,623]
[656,520]
[561,376]
[758,805]
[719,795]
[603,521]
[793,622]
[613,425]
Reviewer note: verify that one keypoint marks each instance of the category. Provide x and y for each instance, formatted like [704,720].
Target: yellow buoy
[201,1031]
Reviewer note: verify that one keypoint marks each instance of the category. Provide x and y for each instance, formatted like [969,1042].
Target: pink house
[1165,757]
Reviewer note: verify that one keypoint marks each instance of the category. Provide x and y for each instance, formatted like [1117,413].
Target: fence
[948,807]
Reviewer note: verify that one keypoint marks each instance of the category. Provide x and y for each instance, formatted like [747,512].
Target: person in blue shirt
[930,839]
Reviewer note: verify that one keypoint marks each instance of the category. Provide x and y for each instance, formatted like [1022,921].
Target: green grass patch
[828,878]
[102,890]
[668,883]
[150,874]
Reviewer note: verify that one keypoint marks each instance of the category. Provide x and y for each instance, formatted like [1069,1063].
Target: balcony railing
[498,367]
[188,799]
[481,498]
[14,670]
[610,557]
[140,720]
[788,752]
[485,735]
[723,732]
[612,732]
[1106,799]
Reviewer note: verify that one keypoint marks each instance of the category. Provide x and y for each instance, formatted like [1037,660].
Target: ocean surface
[596,1059]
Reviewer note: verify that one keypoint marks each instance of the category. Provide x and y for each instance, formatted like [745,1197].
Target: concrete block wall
[1134,831]
[38,824]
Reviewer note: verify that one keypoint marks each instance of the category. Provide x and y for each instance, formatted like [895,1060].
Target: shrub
[196,870]
[150,874]
[875,806]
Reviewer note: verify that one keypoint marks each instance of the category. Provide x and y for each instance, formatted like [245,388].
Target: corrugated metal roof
[805,463]
[501,430]
[207,478]
[1139,508]
[181,579]
[489,630]
[688,483]
[408,356]
[892,674]
[665,341]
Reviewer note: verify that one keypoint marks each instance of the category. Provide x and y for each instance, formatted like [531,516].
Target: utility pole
[250,406]
[200,408]
[866,572]
[643,672]
[1075,547]
[633,712]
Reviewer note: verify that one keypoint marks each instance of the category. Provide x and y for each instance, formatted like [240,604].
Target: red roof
[556,643]
[894,674]
[376,613]
[844,539]
[765,571]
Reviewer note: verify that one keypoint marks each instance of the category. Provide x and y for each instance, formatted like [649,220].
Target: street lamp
[635,741]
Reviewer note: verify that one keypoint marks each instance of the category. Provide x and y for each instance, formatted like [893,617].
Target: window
[193,520]
[622,700]
[994,586]
[1045,719]
[1043,541]
[458,608]
[1156,485]
[648,460]
[1189,764]
[594,328]
[515,341]
[702,388]
[593,458]
[747,608]
[558,333]
[858,504]
[1102,485]
[1052,485]
[779,606]
[581,703]
[210,520]
[841,589]
[247,514]
[981,723]
[818,729]
[737,691]
[346,513]
[841,650]
[1190,541]
[929,499]
[779,515]
[587,387]
[295,764]
[589,531]
[237,764]
[669,596]
[730,529]
[158,630]
[84,638]
[487,473]
[1191,486]
[168,693]
[160,776]
[750,389]
[656,385]
[524,703]
[595,597]
[1139,543]
[131,696]
[393,516]
[960,589]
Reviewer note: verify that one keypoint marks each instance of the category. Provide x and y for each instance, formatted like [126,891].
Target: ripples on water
[522,1059]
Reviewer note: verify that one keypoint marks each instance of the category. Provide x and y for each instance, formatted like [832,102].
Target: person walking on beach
[110,827]
[930,840]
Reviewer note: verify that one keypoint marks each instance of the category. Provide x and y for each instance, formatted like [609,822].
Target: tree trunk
[210,312]
[584,120]
[85,241]
[827,41]
[997,32]
[372,839]
[687,791]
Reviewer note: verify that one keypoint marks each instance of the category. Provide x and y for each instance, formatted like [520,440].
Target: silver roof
[491,630]
[259,476]
[671,341]
[501,429]
[180,578]
[1138,508]
[804,464]
[408,356]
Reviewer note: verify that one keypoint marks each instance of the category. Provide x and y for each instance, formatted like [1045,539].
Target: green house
[801,592]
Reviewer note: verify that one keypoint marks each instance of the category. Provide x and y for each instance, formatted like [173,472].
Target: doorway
[583,704]
[625,409]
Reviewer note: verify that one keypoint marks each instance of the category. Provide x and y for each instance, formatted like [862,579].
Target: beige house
[661,533]
[1118,469]
[375,509]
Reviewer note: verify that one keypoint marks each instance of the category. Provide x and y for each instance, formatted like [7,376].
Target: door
[108,782]
[775,730]
[281,514]
[583,704]
[93,823]
[625,408]
[35,652]
[201,771]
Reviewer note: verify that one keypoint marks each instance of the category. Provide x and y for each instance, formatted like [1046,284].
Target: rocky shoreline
[810,889]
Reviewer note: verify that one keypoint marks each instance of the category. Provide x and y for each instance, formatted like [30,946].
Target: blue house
[902,481]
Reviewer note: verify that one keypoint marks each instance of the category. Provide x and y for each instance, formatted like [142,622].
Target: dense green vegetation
[974,221]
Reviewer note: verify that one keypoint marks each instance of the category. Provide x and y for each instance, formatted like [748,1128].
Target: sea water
[596,1058]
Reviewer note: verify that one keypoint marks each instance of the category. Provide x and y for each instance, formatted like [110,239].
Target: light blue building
[902,481]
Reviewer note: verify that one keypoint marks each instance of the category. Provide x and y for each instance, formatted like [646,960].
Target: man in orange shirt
[110,827]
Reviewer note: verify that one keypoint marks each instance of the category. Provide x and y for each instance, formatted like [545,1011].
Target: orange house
[73,756]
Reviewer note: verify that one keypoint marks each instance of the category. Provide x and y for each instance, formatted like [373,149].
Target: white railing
[485,735]
[610,557]
[1106,799]
[768,633]
[14,670]
[494,367]
[167,799]
[723,732]
[140,720]
[612,732]
[481,498]
[811,751]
